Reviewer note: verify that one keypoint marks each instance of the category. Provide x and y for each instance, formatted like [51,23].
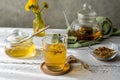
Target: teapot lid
[87,13]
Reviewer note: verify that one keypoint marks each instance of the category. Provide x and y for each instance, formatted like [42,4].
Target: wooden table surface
[29,69]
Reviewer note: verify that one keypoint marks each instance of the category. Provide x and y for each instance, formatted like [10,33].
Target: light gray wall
[13,14]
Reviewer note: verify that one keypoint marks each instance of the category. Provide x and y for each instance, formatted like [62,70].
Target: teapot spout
[66,19]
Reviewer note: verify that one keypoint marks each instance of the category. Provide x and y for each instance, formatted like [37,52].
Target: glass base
[65,70]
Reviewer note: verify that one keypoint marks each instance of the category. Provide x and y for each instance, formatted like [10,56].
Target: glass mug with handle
[55,49]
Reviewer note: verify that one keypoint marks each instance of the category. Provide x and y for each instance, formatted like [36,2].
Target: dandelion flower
[45,5]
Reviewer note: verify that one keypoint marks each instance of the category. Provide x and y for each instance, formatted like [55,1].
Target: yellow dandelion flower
[45,5]
[33,2]
[33,5]
[36,9]
[27,7]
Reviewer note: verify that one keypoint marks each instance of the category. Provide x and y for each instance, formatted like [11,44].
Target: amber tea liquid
[87,33]
[55,56]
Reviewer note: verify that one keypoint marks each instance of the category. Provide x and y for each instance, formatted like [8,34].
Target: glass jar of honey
[15,48]
[85,27]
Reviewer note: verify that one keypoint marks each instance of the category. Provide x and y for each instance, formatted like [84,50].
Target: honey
[15,49]
[21,51]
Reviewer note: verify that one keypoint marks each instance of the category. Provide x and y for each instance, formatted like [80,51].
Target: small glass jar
[16,49]
[85,27]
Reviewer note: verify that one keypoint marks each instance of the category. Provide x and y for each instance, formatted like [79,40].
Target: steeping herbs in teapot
[85,26]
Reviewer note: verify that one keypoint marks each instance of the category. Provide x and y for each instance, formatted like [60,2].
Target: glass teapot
[85,26]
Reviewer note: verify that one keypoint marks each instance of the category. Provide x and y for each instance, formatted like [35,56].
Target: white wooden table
[29,69]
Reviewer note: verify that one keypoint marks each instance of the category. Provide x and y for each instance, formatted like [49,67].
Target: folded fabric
[107,30]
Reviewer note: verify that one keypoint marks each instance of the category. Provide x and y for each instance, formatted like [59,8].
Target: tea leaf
[56,38]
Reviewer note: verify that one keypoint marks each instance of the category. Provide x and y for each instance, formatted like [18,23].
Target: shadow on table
[116,59]
[38,56]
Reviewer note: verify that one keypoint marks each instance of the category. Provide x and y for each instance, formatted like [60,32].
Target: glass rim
[13,40]
[48,35]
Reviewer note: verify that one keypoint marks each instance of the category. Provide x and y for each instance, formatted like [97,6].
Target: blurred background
[13,14]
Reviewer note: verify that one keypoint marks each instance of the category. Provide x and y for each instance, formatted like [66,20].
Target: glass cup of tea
[54,50]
